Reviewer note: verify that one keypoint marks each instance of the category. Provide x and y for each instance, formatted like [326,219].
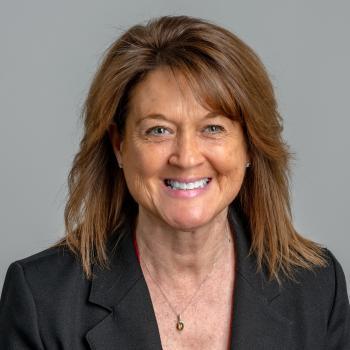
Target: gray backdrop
[50,50]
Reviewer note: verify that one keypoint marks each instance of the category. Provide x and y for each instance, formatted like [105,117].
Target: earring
[120,165]
[247,165]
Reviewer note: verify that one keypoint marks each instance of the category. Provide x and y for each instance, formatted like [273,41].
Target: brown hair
[226,76]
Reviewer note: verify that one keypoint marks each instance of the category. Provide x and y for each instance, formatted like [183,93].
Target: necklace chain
[179,323]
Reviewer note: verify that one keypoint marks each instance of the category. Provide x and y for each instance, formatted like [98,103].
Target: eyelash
[150,130]
[222,129]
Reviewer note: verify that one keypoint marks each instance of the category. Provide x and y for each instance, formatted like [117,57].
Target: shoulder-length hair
[226,76]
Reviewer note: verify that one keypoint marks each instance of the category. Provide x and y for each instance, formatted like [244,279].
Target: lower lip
[186,193]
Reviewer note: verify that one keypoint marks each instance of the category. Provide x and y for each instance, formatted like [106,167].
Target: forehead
[164,91]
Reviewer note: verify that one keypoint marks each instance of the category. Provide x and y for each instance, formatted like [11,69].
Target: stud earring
[247,165]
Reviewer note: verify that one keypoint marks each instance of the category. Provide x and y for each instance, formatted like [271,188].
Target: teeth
[187,185]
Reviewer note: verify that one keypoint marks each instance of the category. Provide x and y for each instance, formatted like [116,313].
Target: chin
[186,222]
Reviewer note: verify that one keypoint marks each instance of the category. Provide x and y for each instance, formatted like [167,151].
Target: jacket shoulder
[43,298]
[46,254]
[319,282]
[54,268]
[52,258]
[318,299]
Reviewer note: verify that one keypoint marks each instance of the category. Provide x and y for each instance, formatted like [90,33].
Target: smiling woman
[178,222]
[180,151]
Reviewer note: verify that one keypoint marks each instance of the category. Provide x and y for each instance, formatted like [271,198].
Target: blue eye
[157,130]
[214,129]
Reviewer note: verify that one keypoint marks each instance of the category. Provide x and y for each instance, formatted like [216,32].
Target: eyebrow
[157,116]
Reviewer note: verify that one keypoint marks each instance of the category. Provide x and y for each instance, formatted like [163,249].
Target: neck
[190,254]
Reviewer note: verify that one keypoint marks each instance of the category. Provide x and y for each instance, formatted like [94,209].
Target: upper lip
[188,179]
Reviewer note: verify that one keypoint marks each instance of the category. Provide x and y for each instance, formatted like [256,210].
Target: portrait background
[48,55]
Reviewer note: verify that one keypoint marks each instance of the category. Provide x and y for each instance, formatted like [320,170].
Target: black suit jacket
[47,303]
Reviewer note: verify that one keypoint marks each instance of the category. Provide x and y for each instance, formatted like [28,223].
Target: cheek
[229,164]
[137,169]
[143,165]
[144,161]
[229,161]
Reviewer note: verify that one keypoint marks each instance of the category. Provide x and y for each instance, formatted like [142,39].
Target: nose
[187,152]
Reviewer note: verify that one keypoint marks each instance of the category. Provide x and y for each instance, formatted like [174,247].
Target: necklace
[179,322]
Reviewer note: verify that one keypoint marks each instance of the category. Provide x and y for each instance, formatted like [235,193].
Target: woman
[178,224]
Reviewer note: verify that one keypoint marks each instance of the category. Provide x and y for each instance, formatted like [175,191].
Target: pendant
[179,324]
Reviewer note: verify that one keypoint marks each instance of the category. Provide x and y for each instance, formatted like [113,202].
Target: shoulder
[319,285]
[45,272]
[318,300]
[48,255]
[321,280]
[50,260]
[46,294]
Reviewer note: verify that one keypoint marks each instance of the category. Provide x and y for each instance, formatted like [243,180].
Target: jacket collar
[131,323]
[256,323]
[122,290]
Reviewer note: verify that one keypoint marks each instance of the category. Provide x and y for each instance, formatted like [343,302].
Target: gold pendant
[179,324]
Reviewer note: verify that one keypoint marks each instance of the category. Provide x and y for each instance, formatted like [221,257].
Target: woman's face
[182,164]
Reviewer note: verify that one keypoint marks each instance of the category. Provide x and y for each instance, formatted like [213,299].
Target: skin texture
[180,238]
[186,146]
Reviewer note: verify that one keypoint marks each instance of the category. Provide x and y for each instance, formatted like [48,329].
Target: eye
[157,130]
[214,129]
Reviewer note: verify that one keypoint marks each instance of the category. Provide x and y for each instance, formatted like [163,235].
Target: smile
[176,185]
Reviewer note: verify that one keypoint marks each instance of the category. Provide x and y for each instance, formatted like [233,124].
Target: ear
[116,141]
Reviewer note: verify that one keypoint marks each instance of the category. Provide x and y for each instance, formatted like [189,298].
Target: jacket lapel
[256,324]
[131,324]
[122,291]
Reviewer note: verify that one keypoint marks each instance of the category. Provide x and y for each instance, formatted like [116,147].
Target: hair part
[226,76]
